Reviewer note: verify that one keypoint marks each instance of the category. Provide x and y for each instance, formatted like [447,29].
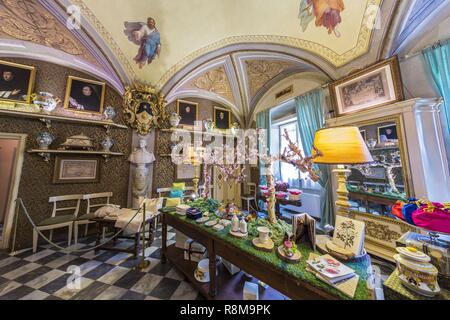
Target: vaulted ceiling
[230,51]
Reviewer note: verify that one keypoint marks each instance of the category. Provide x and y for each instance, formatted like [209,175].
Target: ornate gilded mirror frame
[402,146]
[144,108]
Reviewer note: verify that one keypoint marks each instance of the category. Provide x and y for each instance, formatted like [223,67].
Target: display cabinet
[406,142]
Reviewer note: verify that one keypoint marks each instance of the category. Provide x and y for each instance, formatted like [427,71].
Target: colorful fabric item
[397,210]
[408,210]
[175,193]
[173,202]
[432,216]
[179,186]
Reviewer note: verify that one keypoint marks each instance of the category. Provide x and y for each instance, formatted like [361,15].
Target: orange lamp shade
[341,145]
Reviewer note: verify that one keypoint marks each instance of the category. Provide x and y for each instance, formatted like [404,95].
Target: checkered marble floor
[106,275]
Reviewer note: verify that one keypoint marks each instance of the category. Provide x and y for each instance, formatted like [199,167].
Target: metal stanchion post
[143,263]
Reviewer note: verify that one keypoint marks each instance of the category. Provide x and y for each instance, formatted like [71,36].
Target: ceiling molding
[28,50]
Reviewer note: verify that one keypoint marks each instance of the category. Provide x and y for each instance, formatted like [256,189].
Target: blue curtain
[264,121]
[310,117]
[438,62]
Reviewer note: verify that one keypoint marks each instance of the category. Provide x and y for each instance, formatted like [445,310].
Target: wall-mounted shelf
[47,119]
[46,154]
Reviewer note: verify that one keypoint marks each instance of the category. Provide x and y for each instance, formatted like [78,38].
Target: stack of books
[182,209]
[334,273]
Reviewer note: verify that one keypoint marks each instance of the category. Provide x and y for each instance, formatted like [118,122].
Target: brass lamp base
[343,205]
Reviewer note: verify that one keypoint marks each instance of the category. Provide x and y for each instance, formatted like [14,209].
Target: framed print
[188,111]
[83,95]
[376,86]
[185,172]
[222,118]
[70,169]
[16,82]
[387,133]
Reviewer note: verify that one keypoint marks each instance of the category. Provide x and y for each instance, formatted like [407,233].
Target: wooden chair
[58,221]
[89,215]
[251,196]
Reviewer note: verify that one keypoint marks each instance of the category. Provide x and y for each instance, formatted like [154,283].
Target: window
[287,172]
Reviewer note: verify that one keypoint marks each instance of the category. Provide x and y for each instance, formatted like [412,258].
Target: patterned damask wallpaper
[36,181]
[164,169]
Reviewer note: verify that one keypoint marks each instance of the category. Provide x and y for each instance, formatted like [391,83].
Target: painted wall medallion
[144,108]
[147,37]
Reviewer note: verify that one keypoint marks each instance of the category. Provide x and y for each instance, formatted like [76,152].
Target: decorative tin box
[78,142]
[438,249]
[416,273]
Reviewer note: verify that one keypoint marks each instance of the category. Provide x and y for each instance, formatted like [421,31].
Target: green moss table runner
[295,270]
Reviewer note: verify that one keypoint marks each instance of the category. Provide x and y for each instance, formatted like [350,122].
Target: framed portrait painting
[387,134]
[376,86]
[16,82]
[188,111]
[222,118]
[83,95]
[70,169]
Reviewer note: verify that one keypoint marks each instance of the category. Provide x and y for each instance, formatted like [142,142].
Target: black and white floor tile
[106,275]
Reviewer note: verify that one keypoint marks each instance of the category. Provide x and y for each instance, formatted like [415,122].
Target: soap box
[193,251]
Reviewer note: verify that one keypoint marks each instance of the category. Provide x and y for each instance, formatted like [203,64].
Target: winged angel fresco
[147,37]
[326,12]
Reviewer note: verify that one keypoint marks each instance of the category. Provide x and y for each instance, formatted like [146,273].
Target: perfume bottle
[243,226]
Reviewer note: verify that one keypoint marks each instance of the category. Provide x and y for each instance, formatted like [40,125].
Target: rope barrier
[19,201]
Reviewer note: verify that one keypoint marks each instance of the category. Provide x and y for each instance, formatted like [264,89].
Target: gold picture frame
[402,145]
[378,85]
[183,104]
[387,127]
[29,86]
[81,84]
[76,169]
[228,112]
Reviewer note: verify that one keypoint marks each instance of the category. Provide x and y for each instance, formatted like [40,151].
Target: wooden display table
[394,290]
[290,280]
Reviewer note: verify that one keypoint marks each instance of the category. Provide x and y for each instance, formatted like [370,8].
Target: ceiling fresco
[155,39]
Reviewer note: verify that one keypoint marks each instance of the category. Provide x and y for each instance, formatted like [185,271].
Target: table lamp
[194,159]
[341,146]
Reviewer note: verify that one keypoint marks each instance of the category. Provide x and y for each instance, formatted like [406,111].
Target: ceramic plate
[225,222]
[211,223]
[202,220]
[219,227]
